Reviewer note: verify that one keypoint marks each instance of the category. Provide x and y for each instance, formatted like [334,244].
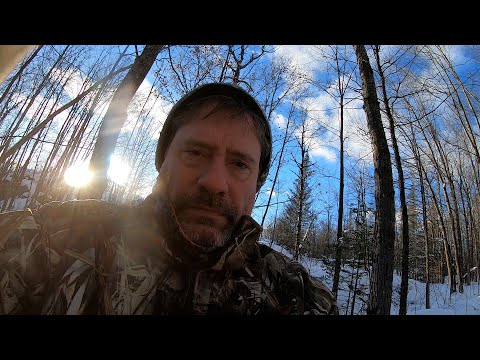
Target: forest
[375,163]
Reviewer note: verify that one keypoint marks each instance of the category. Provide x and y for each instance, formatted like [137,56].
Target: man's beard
[200,230]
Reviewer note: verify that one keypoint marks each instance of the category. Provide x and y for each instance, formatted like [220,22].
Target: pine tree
[296,224]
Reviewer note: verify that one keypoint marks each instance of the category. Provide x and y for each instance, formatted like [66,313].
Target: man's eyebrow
[198,143]
[240,154]
[244,156]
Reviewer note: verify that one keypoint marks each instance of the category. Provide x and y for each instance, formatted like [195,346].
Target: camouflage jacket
[91,257]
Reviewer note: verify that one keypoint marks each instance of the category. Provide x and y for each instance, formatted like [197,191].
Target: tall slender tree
[114,120]
[294,225]
[380,297]
[401,185]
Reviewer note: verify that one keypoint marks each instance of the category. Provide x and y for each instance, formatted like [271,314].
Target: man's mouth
[207,211]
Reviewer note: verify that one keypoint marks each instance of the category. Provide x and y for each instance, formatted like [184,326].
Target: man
[190,248]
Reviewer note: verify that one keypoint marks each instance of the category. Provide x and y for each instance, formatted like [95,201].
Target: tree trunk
[344,73]
[401,187]
[339,242]
[452,208]
[280,158]
[427,239]
[302,175]
[446,246]
[456,250]
[380,297]
[114,119]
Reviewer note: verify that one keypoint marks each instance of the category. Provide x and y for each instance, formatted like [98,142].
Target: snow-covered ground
[441,302]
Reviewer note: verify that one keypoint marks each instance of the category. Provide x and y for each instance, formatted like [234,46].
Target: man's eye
[241,165]
[240,170]
[193,152]
[192,156]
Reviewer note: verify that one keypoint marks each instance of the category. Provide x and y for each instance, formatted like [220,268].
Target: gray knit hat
[207,90]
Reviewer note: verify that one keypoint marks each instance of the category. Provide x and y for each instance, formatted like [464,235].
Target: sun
[118,171]
[78,175]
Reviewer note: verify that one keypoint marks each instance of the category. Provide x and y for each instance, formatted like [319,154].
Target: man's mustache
[204,199]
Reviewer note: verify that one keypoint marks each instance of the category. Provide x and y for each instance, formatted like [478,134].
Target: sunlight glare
[78,175]
[118,171]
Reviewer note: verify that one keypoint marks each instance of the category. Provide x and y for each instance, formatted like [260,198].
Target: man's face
[210,173]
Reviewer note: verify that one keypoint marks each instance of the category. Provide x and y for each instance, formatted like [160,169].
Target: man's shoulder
[79,214]
[16,218]
[280,264]
[90,208]
[65,219]
[13,221]
[80,224]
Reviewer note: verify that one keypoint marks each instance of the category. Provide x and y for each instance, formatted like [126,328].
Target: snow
[441,301]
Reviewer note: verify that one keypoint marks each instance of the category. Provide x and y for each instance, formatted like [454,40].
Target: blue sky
[320,107]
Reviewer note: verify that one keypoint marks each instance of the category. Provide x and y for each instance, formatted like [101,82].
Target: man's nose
[214,177]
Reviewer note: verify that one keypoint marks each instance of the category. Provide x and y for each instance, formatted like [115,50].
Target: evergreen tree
[296,224]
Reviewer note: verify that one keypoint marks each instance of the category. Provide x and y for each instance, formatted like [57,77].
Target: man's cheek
[249,204]
[164,180]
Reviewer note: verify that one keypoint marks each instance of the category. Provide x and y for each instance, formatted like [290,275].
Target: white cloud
[304,59]
[270,191]
[302,56]
[317,149]
[324,111]
[149,102]
[48,104]
[456,54]
[280,121]
[75,83]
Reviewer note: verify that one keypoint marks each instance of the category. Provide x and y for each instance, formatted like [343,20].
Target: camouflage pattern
[91,257]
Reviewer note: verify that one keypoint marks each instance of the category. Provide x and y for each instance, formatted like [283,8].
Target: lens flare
[78,175]
[118,171]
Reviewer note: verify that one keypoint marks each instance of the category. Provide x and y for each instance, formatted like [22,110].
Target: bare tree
[114,120]
[240,60]
[9,152]
[20,70]
[339,60]
[380,298]
[304,173]
[401,186]
[280,160]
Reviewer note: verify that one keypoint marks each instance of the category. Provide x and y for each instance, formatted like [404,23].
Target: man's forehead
[210,106]
[214,112]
